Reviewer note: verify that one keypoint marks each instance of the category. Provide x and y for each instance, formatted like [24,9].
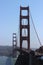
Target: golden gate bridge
[25,53]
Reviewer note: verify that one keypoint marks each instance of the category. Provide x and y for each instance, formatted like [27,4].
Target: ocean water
[7,60]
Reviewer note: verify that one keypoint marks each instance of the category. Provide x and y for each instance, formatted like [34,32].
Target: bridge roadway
[8,51]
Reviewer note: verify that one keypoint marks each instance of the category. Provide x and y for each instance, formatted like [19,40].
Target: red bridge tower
[24,38]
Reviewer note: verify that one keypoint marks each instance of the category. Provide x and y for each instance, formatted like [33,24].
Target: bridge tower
[14,42]
[24,38]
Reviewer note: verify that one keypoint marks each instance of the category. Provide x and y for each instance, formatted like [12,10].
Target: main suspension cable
[35,29]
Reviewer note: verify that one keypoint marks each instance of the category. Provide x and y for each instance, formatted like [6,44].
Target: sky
[9,18]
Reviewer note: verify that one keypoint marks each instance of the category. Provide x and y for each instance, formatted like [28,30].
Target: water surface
[7,60]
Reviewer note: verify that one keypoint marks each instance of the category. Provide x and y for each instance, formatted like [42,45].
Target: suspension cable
[35,30]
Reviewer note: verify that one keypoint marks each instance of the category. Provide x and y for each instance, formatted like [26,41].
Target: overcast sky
[9,18]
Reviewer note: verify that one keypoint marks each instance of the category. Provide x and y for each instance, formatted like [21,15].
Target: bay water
[7,60]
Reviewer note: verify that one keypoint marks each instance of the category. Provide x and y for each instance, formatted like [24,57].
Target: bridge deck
[7,51]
